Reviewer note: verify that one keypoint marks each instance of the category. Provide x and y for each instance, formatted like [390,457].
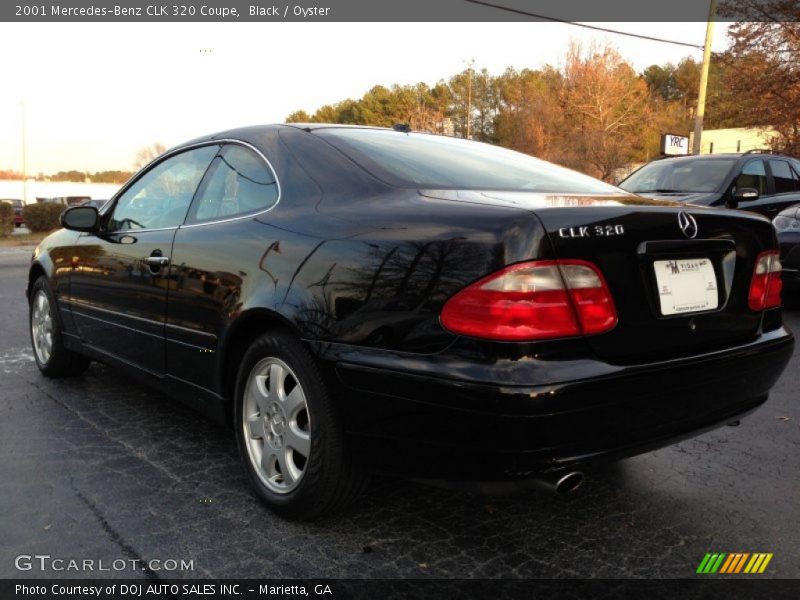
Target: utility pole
[24,157]
[701,95]
[469,103]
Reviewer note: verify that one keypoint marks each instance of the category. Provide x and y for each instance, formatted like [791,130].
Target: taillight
[765,287]
[533,301]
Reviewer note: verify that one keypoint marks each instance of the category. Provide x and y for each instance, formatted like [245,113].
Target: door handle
[157,261]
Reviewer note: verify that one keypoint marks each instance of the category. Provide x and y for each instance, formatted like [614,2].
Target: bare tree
[148,153]
[605,103]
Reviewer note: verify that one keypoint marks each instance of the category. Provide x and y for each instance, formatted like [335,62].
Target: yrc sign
[674,145]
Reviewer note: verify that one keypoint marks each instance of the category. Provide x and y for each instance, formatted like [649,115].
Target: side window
[784,176]
[753,176]
[161,197]
[238,183]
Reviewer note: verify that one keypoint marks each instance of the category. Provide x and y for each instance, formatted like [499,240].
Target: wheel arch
[238,338]
[36,270]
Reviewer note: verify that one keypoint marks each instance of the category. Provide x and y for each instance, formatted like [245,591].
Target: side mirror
[80,218]
[746,193]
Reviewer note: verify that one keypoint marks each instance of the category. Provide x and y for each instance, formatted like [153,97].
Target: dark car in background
[761,182]
[787,226]
[19,218]
[360,298]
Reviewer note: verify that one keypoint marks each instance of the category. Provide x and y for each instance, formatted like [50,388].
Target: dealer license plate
[686,285]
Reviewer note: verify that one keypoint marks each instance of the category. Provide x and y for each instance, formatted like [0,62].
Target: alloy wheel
[42,327]
[277,425]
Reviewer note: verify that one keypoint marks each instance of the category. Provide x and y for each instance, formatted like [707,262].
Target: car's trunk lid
[627,238]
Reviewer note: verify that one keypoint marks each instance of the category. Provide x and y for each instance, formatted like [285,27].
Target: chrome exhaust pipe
[558,482]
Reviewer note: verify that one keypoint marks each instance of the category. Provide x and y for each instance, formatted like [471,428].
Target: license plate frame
[686,285]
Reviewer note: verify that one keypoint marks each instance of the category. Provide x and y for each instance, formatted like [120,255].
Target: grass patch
[27,239]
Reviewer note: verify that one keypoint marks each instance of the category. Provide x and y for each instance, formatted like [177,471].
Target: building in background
[738,139]
[15,188]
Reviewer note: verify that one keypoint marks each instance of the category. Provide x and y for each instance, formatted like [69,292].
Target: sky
[95,93]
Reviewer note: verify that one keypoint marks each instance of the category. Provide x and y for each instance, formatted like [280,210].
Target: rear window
[422,160]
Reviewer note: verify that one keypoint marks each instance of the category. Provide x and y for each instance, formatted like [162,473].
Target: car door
[785,183]
[214,256]
[119,280]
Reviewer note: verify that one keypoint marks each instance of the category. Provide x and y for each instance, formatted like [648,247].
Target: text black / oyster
[359,298]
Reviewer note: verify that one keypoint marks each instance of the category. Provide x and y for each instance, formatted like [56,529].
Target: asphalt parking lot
[101,467]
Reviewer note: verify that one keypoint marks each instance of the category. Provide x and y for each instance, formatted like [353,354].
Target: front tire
[289,434]
[52,357]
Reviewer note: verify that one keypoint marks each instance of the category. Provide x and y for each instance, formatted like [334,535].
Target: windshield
[422,160]
[685,176]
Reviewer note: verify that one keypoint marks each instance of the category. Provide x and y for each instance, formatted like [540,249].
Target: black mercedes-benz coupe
[353,299]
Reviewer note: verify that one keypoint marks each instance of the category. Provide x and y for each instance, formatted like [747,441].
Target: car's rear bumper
[432,425]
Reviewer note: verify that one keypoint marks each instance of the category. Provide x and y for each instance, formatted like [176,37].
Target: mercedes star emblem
[687,224]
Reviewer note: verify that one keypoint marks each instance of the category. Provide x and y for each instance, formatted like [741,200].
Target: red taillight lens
[766,285]
[533,301]
[590,296]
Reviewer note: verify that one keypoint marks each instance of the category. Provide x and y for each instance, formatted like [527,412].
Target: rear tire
[52,357]
[289,433]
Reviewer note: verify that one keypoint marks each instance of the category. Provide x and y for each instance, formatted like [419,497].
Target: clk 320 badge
[591,231]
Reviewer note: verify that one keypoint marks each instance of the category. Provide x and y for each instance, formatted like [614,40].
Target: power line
[584,25]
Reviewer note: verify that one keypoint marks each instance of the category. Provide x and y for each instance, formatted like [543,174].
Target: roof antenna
[402,127]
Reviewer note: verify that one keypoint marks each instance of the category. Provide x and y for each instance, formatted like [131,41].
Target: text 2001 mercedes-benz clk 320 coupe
[356,298]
